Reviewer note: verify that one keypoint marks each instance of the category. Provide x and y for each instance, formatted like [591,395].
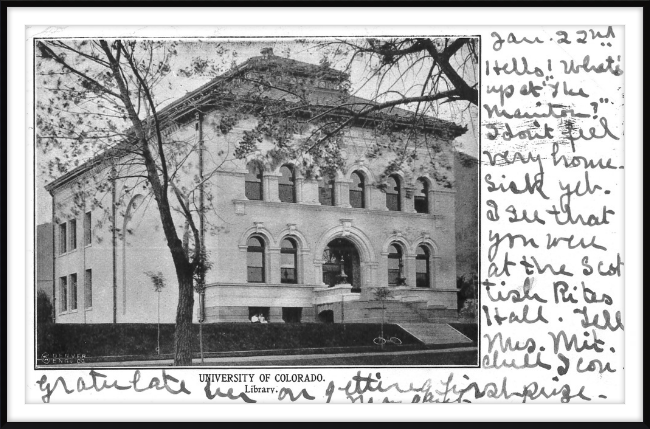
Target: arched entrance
[326,316]
[341,264]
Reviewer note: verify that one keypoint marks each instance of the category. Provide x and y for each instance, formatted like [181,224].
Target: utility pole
[199,118]
[114,235]
[158,348]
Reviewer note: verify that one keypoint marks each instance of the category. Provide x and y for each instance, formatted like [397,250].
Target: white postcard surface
[326,215]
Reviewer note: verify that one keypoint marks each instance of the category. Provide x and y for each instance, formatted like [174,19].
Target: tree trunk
[183,334]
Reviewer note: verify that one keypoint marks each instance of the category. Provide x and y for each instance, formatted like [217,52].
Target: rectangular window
[392,202]
[258,314]
[421,273]
[291,314]
[88,238]
[63,238]
[88,287]
[393,277]
[356,199]
[288,268]
[326,196]
[393,271]
[288,275]
[73,234]
[73,291]
[63,288]
[255,275]
[253,190]
[286,193]
[255,267]
[421,205]
[422,280]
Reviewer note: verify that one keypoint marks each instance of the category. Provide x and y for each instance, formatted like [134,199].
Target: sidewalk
[336,359]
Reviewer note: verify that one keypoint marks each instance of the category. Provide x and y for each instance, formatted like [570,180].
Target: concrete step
[391,311]
[441,312]
[435,333]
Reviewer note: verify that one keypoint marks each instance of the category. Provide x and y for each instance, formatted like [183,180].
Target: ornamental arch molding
[429,243]
[426,179]
[293,232]
[260,231]
[361,168]
[295,166]
[349,232]
[402,240]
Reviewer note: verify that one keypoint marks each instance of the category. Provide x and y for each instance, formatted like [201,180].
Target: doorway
[341,264]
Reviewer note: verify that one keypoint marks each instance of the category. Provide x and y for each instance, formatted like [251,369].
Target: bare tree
[98,97]
[411,81]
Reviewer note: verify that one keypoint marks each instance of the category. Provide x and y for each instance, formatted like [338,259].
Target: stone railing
[338,293]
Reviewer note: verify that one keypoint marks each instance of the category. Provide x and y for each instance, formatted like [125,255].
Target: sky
[223,54]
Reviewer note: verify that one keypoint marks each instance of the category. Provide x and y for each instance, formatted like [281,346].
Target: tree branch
[49,53]
[147,93]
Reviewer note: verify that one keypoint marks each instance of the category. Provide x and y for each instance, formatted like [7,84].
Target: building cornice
[210,97]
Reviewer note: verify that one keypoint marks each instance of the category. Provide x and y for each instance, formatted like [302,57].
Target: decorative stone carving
[240,207]
[346,224]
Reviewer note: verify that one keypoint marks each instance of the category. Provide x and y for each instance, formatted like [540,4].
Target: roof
[193,100]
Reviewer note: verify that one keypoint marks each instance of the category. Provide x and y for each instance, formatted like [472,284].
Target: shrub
[140,339]
[466,285]
[469,309]
[44,308]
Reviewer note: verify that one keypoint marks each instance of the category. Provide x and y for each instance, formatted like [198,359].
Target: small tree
[382,294]
[158,280]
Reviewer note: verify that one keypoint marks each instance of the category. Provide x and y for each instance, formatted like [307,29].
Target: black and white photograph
[256,202]
[323,207]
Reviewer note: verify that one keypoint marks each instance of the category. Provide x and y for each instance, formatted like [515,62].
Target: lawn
[140,340]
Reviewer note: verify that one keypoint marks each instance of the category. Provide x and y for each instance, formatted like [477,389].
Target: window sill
[69,252]
[321,207]
[88,309]
[264,285]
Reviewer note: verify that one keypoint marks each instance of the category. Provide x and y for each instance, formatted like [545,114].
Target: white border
[19,214]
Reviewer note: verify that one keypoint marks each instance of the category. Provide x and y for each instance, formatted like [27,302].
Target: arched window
[357,191]
[422,267]
[395,265]
[393,194]
[288,261]
[421,196]
[255,259]
[254,182]
[326,191]
[287,185]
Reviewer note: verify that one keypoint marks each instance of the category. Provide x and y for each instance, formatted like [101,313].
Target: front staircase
[429,324]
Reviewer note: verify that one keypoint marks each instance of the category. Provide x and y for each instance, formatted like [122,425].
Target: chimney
[267,52]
